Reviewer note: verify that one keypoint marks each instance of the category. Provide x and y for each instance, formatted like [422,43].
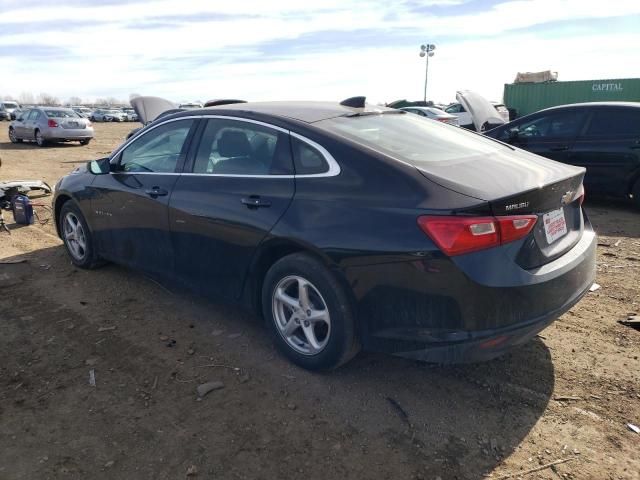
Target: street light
[426,51]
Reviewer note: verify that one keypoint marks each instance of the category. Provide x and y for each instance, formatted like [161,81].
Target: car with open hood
[344,225]
[475,112]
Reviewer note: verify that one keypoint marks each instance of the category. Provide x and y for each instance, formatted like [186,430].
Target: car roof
[305,111]
[594,104]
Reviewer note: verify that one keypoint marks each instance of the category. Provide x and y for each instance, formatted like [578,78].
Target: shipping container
[526,98]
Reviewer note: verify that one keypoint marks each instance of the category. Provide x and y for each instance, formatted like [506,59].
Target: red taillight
[88,123]
[457,235]
[52,123]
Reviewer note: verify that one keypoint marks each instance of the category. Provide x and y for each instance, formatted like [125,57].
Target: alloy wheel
[39,139]
[74,236]
[12,136]
[301,315]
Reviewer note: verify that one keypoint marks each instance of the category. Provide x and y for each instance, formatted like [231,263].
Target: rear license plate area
[555,225]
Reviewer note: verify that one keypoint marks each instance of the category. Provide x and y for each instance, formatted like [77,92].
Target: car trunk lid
[520,183]
[483,114]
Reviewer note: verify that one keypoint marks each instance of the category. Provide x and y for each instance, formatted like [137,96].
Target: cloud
[288,49]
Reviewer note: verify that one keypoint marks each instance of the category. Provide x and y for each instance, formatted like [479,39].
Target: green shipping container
[528,98]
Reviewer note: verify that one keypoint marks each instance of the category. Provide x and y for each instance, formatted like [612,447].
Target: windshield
[61,113]
[411,138]
[10,105]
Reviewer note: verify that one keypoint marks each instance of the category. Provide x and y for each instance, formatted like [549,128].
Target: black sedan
[603,137]
[344,225]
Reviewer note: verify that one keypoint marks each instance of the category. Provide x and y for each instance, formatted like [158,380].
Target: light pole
[427,51]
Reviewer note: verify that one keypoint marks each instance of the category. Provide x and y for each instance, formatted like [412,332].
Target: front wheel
[40,139]
[85,141]
[13,137]
[309,313]
[77,237]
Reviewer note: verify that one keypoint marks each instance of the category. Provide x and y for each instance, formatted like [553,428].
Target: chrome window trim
[334,167]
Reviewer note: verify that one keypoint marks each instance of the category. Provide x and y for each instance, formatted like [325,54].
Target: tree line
[43,98]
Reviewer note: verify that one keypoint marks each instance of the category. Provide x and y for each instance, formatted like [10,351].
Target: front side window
[158,150]
[552,125]
[234,147]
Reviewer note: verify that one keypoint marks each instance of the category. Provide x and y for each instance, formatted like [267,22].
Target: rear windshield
[61,113]
[413,139]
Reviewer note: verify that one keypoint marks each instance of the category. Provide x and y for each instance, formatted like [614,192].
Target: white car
[434,114]
[476,113]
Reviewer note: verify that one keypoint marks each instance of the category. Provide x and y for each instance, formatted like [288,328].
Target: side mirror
[99,167]
[513,133]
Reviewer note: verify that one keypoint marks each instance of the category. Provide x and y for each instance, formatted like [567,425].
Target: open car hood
[483,113]
[149,108]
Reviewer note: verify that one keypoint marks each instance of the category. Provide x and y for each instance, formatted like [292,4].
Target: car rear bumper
[466,309]
[68,134]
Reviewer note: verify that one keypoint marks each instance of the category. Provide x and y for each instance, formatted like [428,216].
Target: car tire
[12,136]
[77,237]
[315,330]
[40,141]
[85,142]
[636,193]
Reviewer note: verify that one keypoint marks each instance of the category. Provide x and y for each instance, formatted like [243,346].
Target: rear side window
[33,114]
[234,147]
[307,159]
[615,122]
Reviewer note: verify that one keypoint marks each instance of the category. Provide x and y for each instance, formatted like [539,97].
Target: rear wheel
[85,141]
[77,237]
[636,193]
[13,137]
[40,139]
[308,313]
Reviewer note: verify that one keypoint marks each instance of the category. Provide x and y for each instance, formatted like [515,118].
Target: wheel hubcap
[74,236]
[301,315]
[12,135]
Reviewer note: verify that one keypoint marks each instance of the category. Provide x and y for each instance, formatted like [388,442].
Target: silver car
[50,124]
[108,115]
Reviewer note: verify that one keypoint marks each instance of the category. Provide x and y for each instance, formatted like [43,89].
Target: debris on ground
[563,398]
[399,410]
[92,377]
[109,464]
[209,387]
[633,428]
[107,328]
[192,471]
[536,469]
[632,321]
[594,287]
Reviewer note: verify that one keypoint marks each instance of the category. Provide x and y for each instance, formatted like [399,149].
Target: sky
[188,50]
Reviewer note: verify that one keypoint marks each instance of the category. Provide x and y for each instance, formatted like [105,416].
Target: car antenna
[355,102]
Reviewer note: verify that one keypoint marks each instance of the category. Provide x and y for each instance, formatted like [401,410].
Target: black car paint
[361,224]
[612,162]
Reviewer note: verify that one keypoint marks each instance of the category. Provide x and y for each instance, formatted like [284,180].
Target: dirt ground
[377,417]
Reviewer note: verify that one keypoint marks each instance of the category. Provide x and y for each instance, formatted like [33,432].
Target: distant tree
[101,101]
[114,101]
[26,98]
[47,99]
[74,101]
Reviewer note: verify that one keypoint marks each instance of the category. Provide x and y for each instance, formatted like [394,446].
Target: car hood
[483,113]
[148,108]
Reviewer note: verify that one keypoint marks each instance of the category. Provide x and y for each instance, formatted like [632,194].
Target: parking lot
[565,397]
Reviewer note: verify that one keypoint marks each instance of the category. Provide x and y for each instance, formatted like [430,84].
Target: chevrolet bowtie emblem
[567,197]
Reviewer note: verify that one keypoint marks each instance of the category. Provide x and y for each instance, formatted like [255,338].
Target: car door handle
[560,148]
[156,192]
[254,201]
